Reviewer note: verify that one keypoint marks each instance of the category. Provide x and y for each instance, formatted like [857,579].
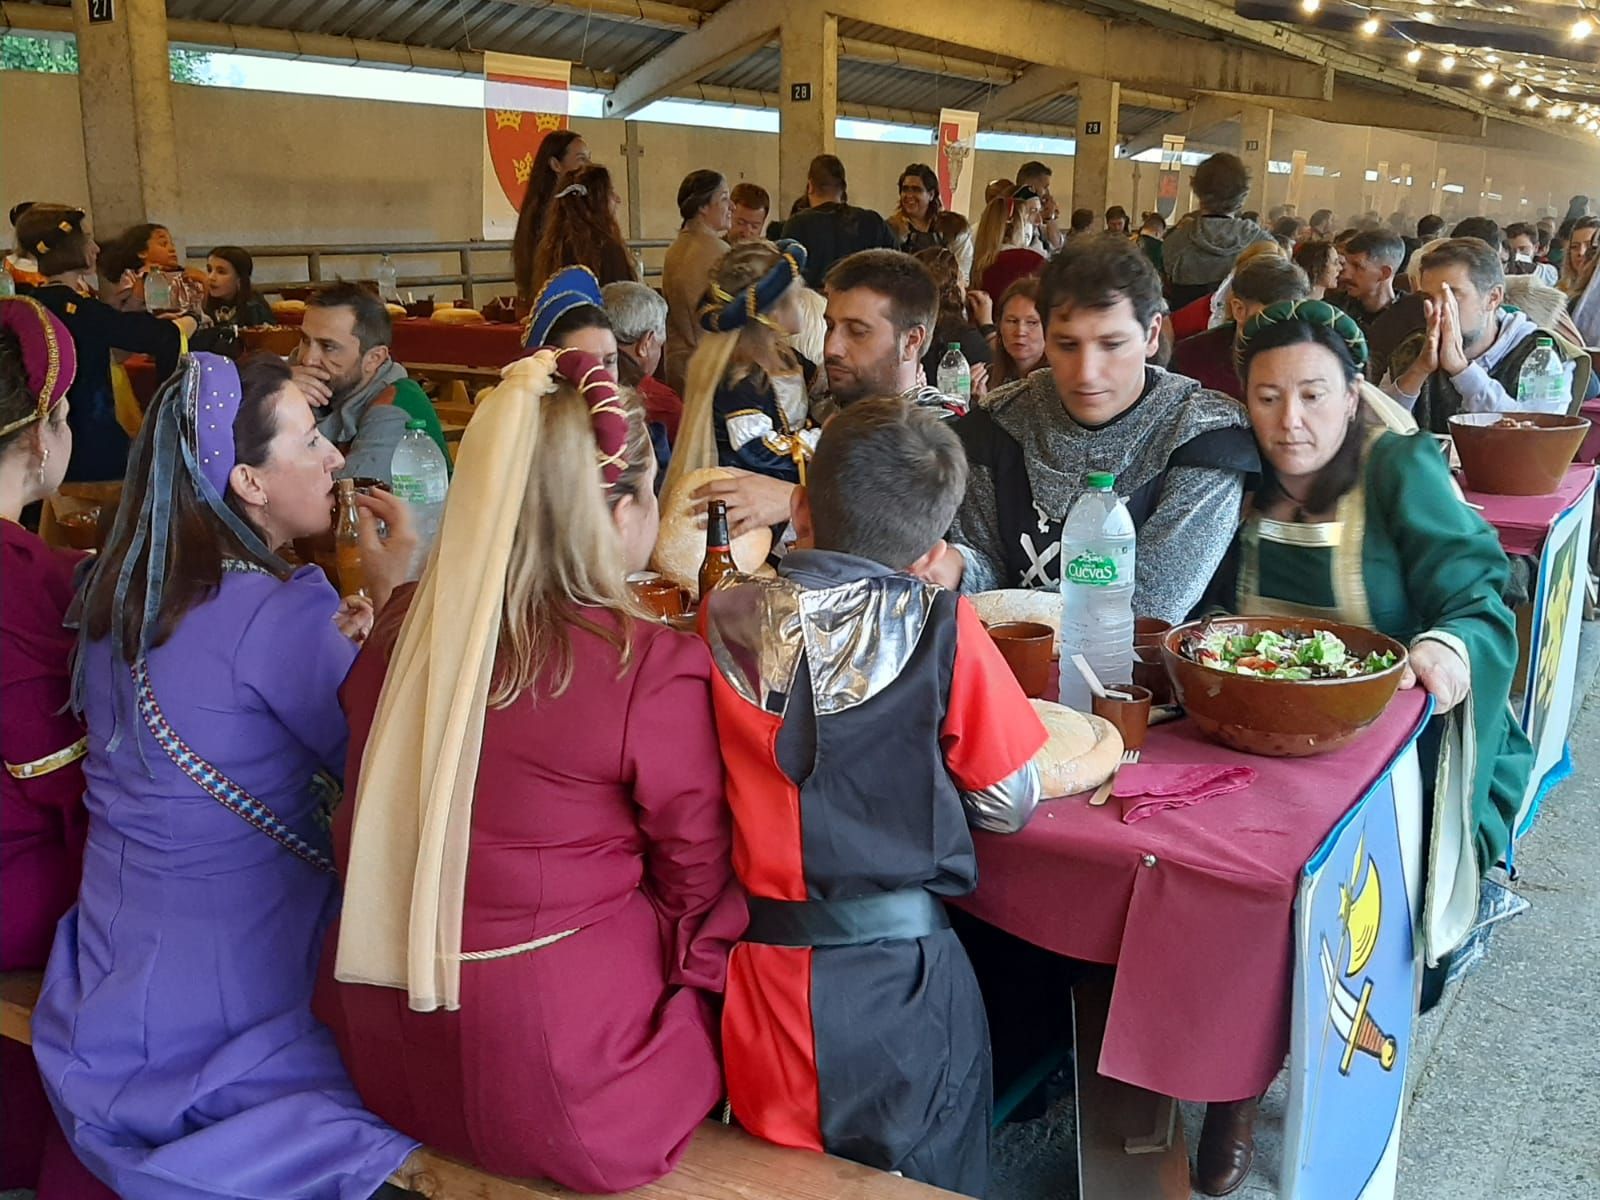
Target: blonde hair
[995,228]
[565,554]
[721,358]
[1255,250]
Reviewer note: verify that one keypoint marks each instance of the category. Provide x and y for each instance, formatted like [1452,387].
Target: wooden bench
[721,1163]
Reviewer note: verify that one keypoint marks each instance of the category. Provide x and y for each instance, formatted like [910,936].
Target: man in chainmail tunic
[1180,453]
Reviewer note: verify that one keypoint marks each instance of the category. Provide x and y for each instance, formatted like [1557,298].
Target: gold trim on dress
[50,762]
[1291,533]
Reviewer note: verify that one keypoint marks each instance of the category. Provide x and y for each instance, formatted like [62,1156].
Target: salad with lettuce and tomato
[1319,655]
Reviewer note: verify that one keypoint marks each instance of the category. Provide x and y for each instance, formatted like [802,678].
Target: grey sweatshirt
[1179,454]
[1201,250]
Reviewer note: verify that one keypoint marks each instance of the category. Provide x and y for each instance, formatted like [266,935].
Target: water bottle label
[1092,570]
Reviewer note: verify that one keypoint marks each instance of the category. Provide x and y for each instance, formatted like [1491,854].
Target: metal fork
[1103,792]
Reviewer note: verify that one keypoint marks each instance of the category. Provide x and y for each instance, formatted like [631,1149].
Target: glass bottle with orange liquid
[719,555]
[347,542]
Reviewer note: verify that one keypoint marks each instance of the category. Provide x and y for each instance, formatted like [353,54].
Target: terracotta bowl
[420,308]
[1526,461]
[1280,718]
[274,339]
[502,310]
[81,529]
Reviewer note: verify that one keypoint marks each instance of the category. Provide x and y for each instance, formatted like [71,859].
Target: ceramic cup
[1026,647]
[660,596]
[1148,631]
[1131,717]
[1150,671]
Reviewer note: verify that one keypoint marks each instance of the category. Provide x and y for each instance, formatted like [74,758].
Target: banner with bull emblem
[958,138]
[1356,972]
[523,100]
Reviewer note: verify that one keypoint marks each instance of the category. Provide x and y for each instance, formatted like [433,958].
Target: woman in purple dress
[174,1032]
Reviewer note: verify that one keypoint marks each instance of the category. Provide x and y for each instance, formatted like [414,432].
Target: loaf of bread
[396,311]
[288,307]
[681,544]
[1083,751]
[1019,604]
[458,316]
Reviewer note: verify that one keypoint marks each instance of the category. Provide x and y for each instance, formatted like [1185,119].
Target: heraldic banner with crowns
[523,99]
[1355,990]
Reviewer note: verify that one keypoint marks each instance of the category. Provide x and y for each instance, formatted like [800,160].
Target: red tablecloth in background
[1590,450]
[1523,522]
[1203,939]
[427,341]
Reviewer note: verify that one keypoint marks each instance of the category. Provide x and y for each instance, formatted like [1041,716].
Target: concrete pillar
[808,97]
[1255,148]
[125,89]
[1098,101]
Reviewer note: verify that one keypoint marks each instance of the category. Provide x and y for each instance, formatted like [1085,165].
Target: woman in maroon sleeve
[42,817]
[539,900]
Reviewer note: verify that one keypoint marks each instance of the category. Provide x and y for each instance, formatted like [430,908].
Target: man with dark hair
[1485,229]
[344,369]
[1201,249]
[1047,235]
[751,204]
[1207,357]
[1322,224]
[1471,353]
[851,690]
[1117,220]
[1180,453]
[830,228]
[882,306]
[1371,261]
[1522,254]
[1430,228]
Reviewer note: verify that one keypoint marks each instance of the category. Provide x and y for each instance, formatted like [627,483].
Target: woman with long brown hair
[539,898]
[561,151]
[174,1031]
[1019,334]
[580,229]
[1002,249]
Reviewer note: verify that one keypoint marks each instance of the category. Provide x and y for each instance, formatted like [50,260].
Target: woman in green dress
[1357,524]
[1365,526]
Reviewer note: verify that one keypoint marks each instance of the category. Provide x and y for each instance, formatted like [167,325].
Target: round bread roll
[1019,604]
[281,307]
[1083,751]
[458,316]
[396,310]
[681,544]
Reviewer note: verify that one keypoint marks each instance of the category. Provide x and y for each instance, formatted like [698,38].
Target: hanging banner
[523,100]
[1297,176]
[958,137]
[1356,968]
[1169,180]
[1380,190]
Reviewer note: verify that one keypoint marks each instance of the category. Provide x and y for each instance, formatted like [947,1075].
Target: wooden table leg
[1130,1145]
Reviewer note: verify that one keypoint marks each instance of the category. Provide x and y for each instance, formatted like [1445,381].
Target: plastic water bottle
[388,279]
[157,292]
[955,376]
[1097,561]
[420,478]
[1542,385]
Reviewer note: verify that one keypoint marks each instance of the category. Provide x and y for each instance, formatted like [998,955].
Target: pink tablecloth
[427,341]
[1523,522]
[1194,906]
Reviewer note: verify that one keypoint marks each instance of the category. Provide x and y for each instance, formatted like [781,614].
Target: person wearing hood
[1471,353]
[364,399]
[1180,453]
[1199,251]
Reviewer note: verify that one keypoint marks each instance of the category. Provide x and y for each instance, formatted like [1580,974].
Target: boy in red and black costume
[866,721]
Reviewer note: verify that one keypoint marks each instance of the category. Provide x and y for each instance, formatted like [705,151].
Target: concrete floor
[1506,1074]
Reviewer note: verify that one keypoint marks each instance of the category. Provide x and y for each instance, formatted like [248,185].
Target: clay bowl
[81,529]
[1526,461]
[1280,718]
[420,308]
[502,310]
[274,339]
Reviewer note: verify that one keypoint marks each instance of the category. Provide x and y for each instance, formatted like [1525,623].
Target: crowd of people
[597,873]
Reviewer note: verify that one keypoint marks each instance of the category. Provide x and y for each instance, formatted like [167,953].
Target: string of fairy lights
[1513,79]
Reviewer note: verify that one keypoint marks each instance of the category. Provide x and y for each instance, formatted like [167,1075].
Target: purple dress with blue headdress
[174,1032]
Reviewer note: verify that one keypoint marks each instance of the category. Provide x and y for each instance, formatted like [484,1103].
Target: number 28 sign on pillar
[102,12]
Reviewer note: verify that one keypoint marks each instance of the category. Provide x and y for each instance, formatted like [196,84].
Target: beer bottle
[719,557]
[347,541]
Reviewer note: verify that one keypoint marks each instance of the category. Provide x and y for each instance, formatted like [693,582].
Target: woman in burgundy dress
[539,901]
[42,817]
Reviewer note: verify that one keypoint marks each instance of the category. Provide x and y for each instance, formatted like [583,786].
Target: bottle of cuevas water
[1097,560]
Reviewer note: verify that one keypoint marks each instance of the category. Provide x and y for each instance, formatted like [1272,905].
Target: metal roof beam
[1036,86]
[733,32]
[651,13]
[1053,35]
[1353,105]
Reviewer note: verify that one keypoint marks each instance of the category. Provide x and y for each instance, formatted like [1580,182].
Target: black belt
[888,916]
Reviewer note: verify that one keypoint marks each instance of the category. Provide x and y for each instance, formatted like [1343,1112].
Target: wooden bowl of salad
[1284,687]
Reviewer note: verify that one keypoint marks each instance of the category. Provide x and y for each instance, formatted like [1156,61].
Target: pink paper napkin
[1148,788]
